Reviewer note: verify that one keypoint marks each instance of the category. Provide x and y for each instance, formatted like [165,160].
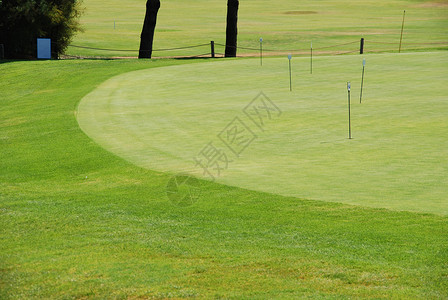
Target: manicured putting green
[162,118]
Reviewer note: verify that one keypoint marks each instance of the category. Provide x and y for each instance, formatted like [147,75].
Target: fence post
[212,44]
[2,51]
[361,48]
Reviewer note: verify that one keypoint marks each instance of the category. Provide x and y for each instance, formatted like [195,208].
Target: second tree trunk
[232,28]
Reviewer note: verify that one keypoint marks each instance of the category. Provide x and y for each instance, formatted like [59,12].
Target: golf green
[239,122]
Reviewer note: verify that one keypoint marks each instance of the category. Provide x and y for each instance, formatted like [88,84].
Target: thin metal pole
[362,79]
[261,52]
[362,83]
[311,58]
[349,113]
[402,28]
[212,45]
[290,76]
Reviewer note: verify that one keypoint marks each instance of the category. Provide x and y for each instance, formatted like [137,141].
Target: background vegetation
[23,21]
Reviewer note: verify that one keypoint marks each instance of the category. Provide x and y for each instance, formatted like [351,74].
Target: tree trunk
[232,28]
[149,25]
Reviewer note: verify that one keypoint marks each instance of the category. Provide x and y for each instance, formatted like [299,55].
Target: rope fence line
[100,49]
[339,45]
[282,50]
[347,52]
[125,50]
[434,43]
[212,53]
[396,50]
[181,48]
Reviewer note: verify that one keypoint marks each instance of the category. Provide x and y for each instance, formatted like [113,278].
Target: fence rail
[337,49]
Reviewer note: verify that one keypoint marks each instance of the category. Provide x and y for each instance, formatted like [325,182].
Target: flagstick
[402,28]
[311,57]
[290,75]
[362,79]
[349,113]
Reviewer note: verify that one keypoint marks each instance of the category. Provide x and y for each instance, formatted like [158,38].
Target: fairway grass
[284,25]
[77,221]
[161,119]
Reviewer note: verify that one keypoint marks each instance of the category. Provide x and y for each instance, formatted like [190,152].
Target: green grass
[282,25]
[79,222]
[161,119]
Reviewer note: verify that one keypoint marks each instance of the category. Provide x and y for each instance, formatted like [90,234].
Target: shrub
[23,21]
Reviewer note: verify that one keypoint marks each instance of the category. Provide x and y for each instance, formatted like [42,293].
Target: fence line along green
[342,48]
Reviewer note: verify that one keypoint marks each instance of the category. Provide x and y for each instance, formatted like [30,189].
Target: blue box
[43,48]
